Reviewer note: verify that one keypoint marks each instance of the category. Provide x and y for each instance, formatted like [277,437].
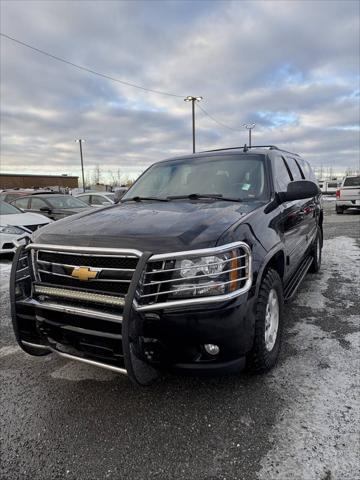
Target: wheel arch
[274,260]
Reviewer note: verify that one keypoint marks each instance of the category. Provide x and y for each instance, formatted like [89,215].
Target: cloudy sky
[292,67]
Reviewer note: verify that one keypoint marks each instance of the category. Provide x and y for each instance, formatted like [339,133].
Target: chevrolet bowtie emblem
[84,273]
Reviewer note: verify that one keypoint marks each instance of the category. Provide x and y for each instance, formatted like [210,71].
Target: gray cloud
[293,67]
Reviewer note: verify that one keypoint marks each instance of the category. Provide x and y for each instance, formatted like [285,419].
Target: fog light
[211,349]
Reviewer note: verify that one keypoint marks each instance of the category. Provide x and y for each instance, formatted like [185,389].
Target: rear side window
[352,182]
[281,174]
[85,198]
[21,202]
[296,171]
[307,170]
[37,203]
[97,200]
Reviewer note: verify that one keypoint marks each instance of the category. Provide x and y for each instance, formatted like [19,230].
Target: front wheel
[268,324]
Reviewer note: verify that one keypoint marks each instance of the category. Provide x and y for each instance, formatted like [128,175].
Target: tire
[316,251]
[266,347]
[339,210]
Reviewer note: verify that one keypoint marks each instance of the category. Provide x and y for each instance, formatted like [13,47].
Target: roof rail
[245,148]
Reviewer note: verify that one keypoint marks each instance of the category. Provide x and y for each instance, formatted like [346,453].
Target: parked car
[10,195]
[14,224]
[52,205]
[97,199]
[188,273]
[348,195]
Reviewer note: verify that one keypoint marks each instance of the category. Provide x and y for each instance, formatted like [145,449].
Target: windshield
[66,201]
[110,196]
[6,209]
[352,182]
[236,176]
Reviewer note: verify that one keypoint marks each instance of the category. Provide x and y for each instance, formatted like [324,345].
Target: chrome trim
[88,250]
[193,287]
[198,253]
[100,269]
[199,266]
[123,371]
[22,269]
[22,278]
[85,312]
[210,275]
[30,344]
[90,279]
[191,301]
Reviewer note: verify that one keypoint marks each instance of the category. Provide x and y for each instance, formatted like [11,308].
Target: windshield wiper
[196,196]
[139,199]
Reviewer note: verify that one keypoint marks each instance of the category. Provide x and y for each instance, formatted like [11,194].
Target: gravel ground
[62,419]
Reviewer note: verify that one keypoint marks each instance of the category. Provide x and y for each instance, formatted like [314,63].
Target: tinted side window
[21,202]
[306,168]
[281,175]
[295,169]
[97,200]
[85,198]
[37,203]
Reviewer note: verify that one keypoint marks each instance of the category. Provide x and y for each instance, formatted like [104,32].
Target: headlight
[12,230]
[211,266]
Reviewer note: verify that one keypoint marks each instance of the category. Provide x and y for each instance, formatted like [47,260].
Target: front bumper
[163,339]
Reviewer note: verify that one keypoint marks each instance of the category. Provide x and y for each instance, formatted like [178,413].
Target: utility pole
[80,140]
[193,100]
[249,126]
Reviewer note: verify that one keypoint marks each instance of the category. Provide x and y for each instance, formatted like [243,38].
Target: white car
[97,199]
[14,224]
[348,194]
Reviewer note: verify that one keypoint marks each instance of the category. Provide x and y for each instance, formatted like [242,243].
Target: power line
[217,121]
[89,70]
[103,75]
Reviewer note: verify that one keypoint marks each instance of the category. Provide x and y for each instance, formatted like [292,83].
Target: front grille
[101,272]
[32,227]
[112,273]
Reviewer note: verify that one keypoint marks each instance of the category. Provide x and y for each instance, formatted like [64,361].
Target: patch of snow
[316,434]
[9,350]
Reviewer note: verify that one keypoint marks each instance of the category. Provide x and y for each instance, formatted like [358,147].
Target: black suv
[189,272]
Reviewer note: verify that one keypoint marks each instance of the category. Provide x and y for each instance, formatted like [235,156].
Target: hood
[148,226]
[23,219]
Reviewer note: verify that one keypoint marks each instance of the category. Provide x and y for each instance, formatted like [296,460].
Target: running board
[296,279]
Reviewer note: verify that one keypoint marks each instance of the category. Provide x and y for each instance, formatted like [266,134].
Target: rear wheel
[316,253]
[339,210]
[268,324]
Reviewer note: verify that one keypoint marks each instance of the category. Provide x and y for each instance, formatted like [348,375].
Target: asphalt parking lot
[61,419]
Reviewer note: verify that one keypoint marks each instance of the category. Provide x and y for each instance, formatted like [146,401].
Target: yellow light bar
[77,295]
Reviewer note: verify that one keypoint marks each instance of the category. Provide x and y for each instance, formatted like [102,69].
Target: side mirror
[45,209]
[299,190]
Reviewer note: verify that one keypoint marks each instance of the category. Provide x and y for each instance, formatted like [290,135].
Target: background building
[15,180]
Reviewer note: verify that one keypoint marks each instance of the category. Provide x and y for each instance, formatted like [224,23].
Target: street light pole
[80,140]
[249,126]
[193,100]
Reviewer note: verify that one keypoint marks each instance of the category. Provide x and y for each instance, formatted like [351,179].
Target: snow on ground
[317,432]
[5,269]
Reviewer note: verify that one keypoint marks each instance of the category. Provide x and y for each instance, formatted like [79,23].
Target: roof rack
[245,148]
